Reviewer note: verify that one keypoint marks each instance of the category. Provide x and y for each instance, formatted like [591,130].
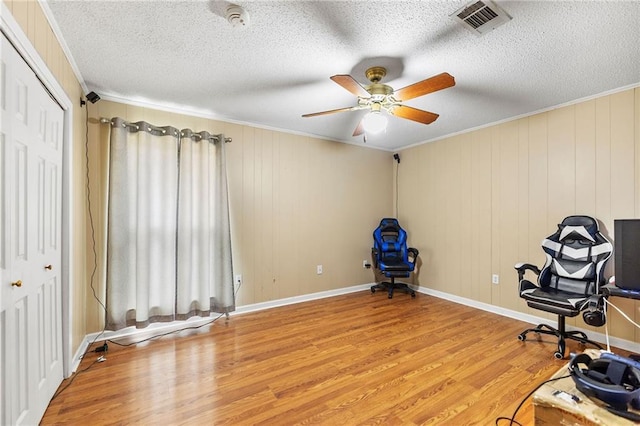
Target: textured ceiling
[185,55]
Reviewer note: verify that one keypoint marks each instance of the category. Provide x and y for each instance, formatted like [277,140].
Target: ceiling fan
[378,97]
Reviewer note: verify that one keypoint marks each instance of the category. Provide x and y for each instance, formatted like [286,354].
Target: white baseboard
[77,357]
[195,322]
[298,299]
[531,319]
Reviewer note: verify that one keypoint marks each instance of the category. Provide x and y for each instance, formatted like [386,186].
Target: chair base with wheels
[561,333]
[391,286]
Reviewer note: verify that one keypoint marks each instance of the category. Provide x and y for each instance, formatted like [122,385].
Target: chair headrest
[575,233]
[389,224]
[578,227]
[389,221]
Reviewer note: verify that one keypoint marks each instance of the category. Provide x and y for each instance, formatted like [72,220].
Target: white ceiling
[185,55]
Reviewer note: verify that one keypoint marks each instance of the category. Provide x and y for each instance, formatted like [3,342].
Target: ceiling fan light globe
[374,122]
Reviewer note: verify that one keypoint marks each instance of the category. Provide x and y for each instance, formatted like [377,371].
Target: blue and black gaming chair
[391,257]
[569,282]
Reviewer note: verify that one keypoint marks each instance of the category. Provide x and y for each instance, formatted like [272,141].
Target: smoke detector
[237,16]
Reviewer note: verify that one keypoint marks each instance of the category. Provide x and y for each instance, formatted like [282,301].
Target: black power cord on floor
[511,419]
[157,336]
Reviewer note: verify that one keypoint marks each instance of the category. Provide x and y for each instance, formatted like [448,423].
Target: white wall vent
[480,17]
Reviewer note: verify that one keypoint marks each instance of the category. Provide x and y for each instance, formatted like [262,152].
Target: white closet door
[30,231]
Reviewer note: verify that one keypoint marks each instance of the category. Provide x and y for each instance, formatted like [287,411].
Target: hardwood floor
[353,359]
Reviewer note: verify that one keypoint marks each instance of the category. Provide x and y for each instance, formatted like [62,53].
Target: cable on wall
[93,249]
[90,211]
[396,157]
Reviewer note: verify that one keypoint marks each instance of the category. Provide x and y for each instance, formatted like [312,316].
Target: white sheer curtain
[168,237]
[204,238]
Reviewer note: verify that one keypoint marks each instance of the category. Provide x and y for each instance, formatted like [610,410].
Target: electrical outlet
[319,269]
[495,279]
[238,281]
[364,264]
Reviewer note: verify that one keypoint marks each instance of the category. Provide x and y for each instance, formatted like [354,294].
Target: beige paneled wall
[28,14]
[296,202]
[476,204]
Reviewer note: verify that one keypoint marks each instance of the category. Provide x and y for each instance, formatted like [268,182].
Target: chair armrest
[524,267]
[413,252]
[374,257]
[612,290]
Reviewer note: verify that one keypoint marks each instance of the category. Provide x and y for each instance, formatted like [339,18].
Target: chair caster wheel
[558,355]
[373,290]
[522,337]
[390,296]
[413,294]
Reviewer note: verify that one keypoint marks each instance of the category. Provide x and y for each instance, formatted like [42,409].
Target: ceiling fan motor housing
[375,74]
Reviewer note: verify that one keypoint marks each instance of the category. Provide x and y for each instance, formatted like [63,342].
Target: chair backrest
[390,240]
[576,255]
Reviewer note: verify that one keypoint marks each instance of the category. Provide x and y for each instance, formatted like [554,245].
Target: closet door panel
[30,196]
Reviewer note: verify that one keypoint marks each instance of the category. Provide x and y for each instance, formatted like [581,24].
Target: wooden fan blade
[359,129]
[315,114]
[430,85]
[410,113]
[351,85]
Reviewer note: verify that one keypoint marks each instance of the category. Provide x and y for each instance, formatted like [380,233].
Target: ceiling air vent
[481,17]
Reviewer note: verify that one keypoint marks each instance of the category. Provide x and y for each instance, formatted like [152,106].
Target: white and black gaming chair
[569,282]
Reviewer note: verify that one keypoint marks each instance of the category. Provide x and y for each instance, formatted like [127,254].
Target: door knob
[17,283]
[48,267]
